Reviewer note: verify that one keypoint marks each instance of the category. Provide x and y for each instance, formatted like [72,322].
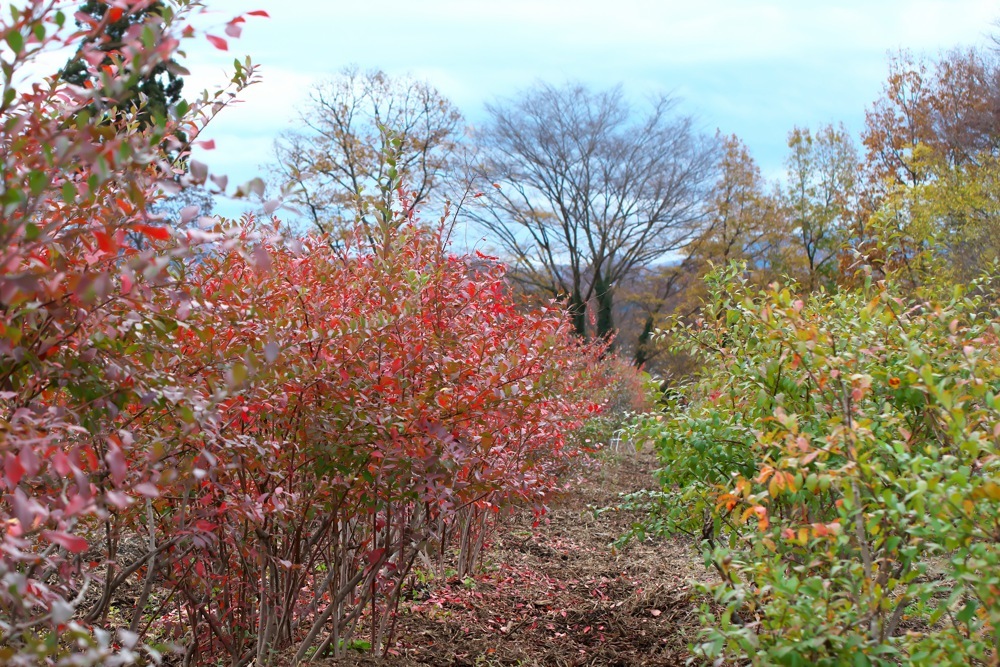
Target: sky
[753,68]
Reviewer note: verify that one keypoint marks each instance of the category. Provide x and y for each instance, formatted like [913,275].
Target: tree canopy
[582,189]
[357,127]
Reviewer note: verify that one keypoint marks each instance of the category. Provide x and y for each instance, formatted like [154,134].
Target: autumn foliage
[834,456]
[224,440]
[385,402]
[837,458]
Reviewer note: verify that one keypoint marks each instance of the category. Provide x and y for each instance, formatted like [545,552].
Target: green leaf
[15,41]
[37,182]
[238,374]
[967,612]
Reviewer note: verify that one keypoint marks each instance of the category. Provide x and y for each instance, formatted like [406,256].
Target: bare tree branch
[581,190]
[350,123]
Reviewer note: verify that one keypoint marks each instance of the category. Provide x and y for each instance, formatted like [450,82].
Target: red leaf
[105,242]
[13,469]
[71,543]
[161,233]
[75,505]
[115,14]
[217,42]
[208,145]
[259,12]
[62,463]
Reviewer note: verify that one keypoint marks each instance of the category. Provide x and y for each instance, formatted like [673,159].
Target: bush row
[224,439]
[837,460]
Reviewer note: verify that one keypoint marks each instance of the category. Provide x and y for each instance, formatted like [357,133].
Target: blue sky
[753,68]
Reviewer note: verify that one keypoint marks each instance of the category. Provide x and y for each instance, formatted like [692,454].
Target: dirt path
[561,594]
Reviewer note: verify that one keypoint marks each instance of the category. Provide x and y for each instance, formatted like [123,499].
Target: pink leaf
[147,489]
[189,213]
[116,464]
[29,461]
[221,181]
[26,510]
[118,499]
[199,171]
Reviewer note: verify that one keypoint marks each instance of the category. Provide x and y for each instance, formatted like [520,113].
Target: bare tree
[586,190]
[822,191]
[357,127]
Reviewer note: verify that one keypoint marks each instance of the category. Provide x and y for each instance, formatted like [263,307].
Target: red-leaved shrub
[225,440]
[382,401]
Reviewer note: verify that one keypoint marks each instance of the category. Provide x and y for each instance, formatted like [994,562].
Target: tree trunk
[642,346]
[605,303]
[578,314]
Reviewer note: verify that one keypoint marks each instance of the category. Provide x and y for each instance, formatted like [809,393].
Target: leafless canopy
[582,190]
[350,125]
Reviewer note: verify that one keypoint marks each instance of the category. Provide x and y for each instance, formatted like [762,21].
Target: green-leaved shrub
[837,460]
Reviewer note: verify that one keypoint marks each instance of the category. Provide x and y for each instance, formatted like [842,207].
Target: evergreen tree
[161,87]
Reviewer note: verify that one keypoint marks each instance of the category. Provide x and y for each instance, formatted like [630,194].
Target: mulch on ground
[560,593]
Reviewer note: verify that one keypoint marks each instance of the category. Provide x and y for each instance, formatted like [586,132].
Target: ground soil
[560,593]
